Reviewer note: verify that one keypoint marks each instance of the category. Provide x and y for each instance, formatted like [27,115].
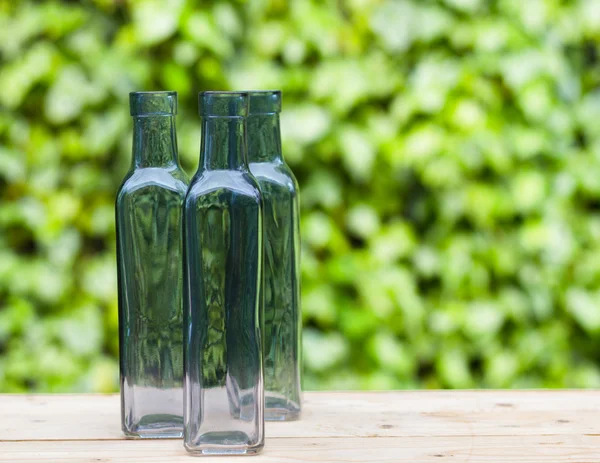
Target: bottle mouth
[223,104]
[153,103]
[264,102]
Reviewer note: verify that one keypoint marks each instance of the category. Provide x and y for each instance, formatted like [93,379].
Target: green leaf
[155,20]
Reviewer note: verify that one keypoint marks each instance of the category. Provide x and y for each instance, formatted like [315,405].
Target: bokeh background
[448,154]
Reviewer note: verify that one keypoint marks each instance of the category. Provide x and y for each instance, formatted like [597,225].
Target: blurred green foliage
[448,154]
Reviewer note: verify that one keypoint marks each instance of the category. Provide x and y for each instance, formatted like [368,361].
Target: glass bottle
[281,264]
[223,397]
[150,276]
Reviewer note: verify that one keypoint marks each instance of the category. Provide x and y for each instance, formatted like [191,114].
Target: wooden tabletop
[427,426]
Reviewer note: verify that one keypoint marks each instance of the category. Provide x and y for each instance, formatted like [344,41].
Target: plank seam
[446,436]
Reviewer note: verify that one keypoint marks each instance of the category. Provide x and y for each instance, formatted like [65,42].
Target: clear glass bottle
[281,264]
[224,397]
[150,275]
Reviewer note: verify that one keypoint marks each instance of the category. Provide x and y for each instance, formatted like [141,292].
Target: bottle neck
[264,143]
[154,141]
[223,144]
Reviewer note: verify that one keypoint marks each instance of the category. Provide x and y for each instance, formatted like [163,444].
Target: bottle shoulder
[152,178]
[239,182]
[274,175]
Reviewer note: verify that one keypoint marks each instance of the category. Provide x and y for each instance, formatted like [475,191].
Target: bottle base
[217,450]
[279,414]
[223,443]
[154,427]
[151,413]
[154,434]
[214,452]
[279,408]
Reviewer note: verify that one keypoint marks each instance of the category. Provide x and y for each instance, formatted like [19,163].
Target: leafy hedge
[448,154]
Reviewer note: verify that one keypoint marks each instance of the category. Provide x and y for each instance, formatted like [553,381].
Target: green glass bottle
[224,397]
[281,265]
[149,255]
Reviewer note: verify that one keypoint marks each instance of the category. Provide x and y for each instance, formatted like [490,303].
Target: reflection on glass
[149,254]
[223,253]
[281,265]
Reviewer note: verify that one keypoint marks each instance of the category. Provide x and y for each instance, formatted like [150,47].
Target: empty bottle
[281,264]
[223,411]
[150,276]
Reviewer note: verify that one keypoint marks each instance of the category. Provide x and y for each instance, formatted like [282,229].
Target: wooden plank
[335,414]
[480,449]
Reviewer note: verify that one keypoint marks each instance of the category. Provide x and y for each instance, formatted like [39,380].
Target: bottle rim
[264,102]
[153,103]
[213,103]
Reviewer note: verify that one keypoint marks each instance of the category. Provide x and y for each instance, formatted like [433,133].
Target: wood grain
[482,449]
[474,426]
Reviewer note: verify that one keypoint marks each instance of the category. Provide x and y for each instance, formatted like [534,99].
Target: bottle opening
[264,102]
[153,103]
[223,104]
